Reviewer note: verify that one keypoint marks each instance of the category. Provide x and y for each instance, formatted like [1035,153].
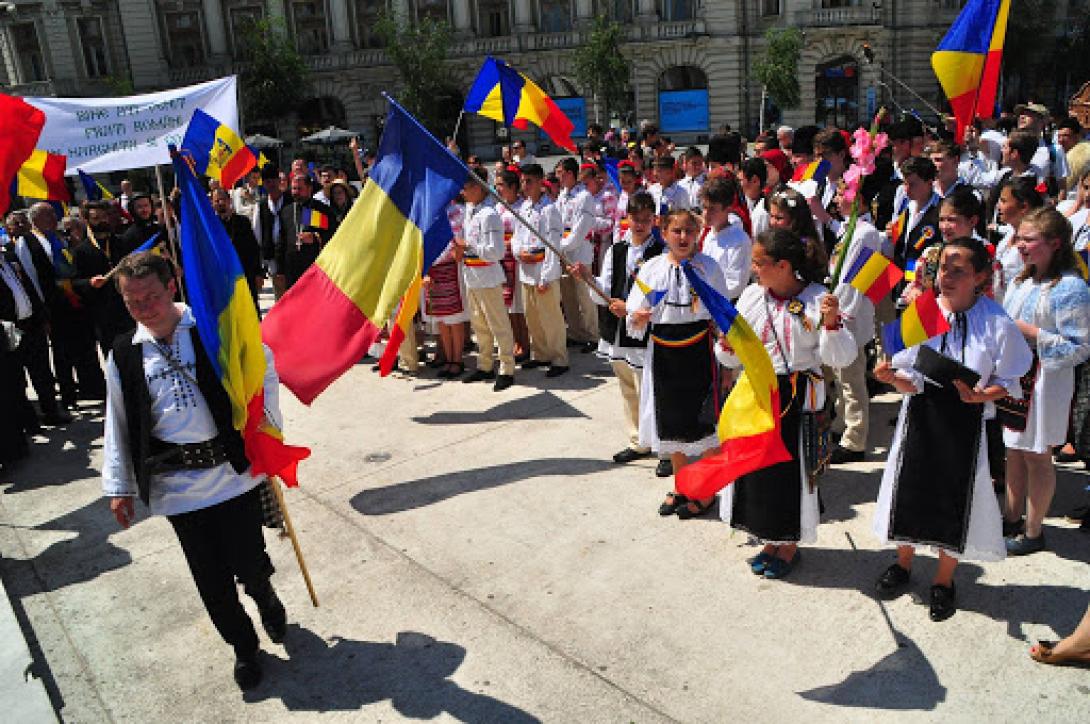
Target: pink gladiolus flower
[880,142]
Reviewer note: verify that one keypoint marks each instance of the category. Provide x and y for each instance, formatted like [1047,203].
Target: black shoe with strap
[943,602]
[892,581]
[664,469]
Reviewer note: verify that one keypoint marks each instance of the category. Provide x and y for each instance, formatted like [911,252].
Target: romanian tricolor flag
[228,327]
[42,177]
[23,125]
[921,320]
[749,423]
[313,219]
[873,274]
[968,58]
[900,224]
[93,189]
[509,97]
[395,230]
[217,151]
[815,171]
[1082,261]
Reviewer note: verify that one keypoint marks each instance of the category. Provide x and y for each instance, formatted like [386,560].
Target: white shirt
[635,356]
[856,308]
[577,211]
[179,414]
[1044,166]
[732,250]
[23,306]
[977,169]
[483,232]
[545,217]
[692,186]
[669,198]
[758,215]
[678,303]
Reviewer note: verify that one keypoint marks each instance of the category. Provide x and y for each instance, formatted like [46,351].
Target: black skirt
[684,380]
[768,502]
[936,470]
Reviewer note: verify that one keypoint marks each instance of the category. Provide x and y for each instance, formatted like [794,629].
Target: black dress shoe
[1010,529]
[479,376]
[503,382]
[247,671]
[892,581]
[556,370]
[628,455]
[842,455]
[664,469]
[533,364]
[943,602]
[274,618]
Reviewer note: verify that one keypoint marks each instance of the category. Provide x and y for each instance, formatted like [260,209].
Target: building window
[619,11]
[770,7]
[93,44]
[436,10]
[310,27]
[836,85]
[243,19]
[554,16]
[367,14]
[676,9]
[493,18]
[840,3]
[683,100]
[28,52]
[184,38]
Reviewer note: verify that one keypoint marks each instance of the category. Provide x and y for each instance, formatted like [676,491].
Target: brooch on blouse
[797,308]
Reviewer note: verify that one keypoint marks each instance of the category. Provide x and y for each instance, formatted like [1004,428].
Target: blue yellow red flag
[507,96]
[921,320]
[217,150]
[42,177]
[228,327]
[94,190]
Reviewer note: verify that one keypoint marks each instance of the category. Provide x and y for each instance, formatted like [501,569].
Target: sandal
[673,502]
[686,512]
[759,562]
[1041,652]
[779,568]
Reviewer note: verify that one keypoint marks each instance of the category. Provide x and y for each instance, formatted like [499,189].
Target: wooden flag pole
[168,221]
[274,483]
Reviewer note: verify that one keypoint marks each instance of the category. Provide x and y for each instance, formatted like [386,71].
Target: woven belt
[687,342]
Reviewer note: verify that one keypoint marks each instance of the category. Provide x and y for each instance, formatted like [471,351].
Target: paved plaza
[480,559]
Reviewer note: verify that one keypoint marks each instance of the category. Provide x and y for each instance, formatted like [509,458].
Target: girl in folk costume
[1017,197]
[445,300]
[936,489]
[1050,303]
[787,209]
[677,403]
[507,183]
[799,323]
[726,238]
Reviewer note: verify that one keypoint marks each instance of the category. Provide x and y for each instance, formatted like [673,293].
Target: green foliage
[419,52]
[602,69]
[120,85]
[777,68]
[275,78]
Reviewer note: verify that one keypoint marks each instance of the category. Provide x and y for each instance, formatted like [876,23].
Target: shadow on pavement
[413,494]
[346,675]
[543,405]
[903,680]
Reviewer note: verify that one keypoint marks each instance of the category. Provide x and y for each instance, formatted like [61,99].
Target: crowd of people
[604,253]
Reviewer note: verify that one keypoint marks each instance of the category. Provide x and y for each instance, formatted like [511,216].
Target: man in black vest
[194,470]
[143,226]
[305,226]
[267,225]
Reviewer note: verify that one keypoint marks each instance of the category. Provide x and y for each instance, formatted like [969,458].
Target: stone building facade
[691,59]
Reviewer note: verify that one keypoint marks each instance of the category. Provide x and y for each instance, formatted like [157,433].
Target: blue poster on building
[684,110]
[576,111]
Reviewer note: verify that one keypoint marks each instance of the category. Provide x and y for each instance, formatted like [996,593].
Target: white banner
[117,134]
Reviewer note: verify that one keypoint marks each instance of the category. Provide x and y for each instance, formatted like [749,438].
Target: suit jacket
[292,258]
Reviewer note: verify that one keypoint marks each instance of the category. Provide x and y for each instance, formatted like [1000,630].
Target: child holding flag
[941,430]
[800,325]
[677,403]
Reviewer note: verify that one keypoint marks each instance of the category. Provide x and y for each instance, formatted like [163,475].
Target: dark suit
[33,349]
[293,258]
[112,318]
[249,253]
[131,239]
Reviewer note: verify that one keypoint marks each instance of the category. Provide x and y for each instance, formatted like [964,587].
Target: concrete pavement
[479,558]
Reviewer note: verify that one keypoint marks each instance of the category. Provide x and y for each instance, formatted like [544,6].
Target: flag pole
[457,126]
[168,221]
[274,483]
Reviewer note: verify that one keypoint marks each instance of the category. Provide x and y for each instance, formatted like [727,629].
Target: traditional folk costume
[1061,310]
[1080,409]
[484,279]
[620,267]
[937,486]
[577,212]
[670,198]
[732,250]
[601,236]
[512,289]
[544,317]
[778,504]
[677,388]
[445,298]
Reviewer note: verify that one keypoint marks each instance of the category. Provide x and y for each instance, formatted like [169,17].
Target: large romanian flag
[42,177]
[968,59]
[749,423]
[508,97]
[228,326]
[22,124]
[393,233]
[218,151]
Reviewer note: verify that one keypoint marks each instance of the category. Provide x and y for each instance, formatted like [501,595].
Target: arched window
[683,99]
[554,16]
[836,85]
[493,18]
[676,9]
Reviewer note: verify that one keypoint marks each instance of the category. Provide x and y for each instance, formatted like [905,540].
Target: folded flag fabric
[1082,261]
[42,177]
[653,296]
[218,151]
[612,166]
[900,224]
[749,423]
[968,58]
[151,243]
[395,230]
[23,125]
[815,171]
[313,219]
[921,320]
[228,327]
[873,274]
[93,190]
[506,96]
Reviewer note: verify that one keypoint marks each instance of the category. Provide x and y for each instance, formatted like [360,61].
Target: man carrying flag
[192,394]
